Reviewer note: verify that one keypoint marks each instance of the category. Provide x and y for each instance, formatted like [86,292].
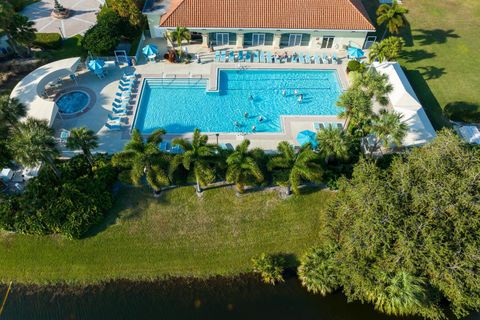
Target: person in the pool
[260,118]
[245,114]
[284,92]
[236,124]
[250,97]
[300,98]
[254,128]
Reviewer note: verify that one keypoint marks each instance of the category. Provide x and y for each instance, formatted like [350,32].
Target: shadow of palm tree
[463,111]
[417,55]
[431,72]
[435,36]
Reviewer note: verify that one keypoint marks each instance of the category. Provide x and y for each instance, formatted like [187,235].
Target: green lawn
[177,234]
[71,47]
[441,57]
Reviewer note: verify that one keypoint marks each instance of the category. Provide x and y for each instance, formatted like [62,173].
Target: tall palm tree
[180,34]
[198,158]
[333,143]
[388,129]
[392,16]
[386,50]
[357,106]
[243,166]
[144,159]
[82,138]
[375,85]
[33,143]
[18,28]
[11,111]
[301,165]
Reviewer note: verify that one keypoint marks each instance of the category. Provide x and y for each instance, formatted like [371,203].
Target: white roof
[405,101]
[471,134]
[29,90]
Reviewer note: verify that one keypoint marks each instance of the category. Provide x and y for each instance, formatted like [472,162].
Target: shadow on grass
[436,36]
[432,72]
[463,111]
[427,99]
[417,55]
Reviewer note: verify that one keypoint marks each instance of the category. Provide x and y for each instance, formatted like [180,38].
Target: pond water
[217,298]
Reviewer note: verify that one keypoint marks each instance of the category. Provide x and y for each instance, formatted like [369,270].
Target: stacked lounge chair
[249,57]
[231,56]
[316,59]
[241,58]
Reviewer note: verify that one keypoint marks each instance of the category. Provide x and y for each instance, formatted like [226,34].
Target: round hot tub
[73,102]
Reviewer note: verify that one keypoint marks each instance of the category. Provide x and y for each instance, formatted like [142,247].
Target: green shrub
[47,40]
[269,267]
[354,65]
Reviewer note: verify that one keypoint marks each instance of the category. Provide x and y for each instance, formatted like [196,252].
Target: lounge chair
[64,135]
[217,56]
[334,58]
[241,58]
[113,126]
[294,59]
[164,146]
[301,58]
[117,118]
[249,57]
[125,82]
[308,59]
[125,87]
[316,59]
[223,55]
[325,59]
[269,57]
[256,57]
[231,56]
[262,57]
[319,126]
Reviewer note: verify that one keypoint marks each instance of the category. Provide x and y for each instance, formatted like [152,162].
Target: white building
[313,24]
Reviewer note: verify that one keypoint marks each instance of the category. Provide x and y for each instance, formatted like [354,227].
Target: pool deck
[114,141]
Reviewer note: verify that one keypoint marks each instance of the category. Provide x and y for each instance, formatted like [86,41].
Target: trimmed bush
[354,65]
[47,40]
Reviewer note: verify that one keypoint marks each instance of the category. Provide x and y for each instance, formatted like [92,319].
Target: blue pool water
[181,105]
[72,102]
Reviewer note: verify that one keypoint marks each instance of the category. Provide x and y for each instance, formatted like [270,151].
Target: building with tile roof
[316,24]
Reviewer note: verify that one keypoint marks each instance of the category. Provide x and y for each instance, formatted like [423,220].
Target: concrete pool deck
[114,141]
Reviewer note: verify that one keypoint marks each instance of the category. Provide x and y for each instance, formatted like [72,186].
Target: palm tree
[318,270]
[180,34]
[386,50]
[243,166]
[388,129]
[82,138]
[144,159]
[391,15]
[198,157]
[33,143]
[300,165]
[333,143]
[18,28]
[357,106]
[11,111]
[375,85]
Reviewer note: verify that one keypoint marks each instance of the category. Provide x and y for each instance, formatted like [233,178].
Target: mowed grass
[441,56]
[177,234]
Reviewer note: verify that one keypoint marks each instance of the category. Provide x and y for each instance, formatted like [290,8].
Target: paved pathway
[83,14]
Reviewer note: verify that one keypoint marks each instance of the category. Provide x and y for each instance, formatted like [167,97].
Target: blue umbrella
[307,136]
[355,53]
[150,49]
[96,65]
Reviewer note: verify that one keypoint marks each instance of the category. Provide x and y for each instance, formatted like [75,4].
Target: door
[258,39]
[327,42]
[294,40]
[222,39]
[369,41]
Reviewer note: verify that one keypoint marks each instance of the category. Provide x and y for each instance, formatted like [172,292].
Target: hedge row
[47,40]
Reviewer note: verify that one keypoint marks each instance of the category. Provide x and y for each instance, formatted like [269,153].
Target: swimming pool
[72,102]
[181,105]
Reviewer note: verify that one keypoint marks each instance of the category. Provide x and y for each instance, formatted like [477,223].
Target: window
[327,42]
[222,39]
[294,40]
[369,41]
[258,39]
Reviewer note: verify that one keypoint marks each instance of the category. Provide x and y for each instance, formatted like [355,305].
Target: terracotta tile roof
[275,14]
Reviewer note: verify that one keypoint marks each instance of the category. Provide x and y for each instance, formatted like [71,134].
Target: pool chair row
[268,57]
[324,125]
[121,104]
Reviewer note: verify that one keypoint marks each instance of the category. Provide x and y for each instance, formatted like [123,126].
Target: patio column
[276,40]
[240,40]
[205,40]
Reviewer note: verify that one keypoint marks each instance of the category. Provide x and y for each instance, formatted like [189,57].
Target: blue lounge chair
[301,58]
[120,111]
[308,59]
[217,56]
[231,57]
[325,59]
[117,118]
[269,57]
[249,57]
[276,59]
[113,126]
[316,59]
[222,56]
[256,57]
[262,57]
[334,58]
[241,58]
[121,105]
[294,59]
[177,149]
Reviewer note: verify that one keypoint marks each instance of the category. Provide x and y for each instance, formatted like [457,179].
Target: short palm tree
[84,139]
[392,16]
[333,144]
[33,143]
[388,129]
[144,159]
[20,31]
[386,50]
[180,34]
[11,111]
[301,165]
[198,158]
[375,85]
[357,106]
[243,167]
